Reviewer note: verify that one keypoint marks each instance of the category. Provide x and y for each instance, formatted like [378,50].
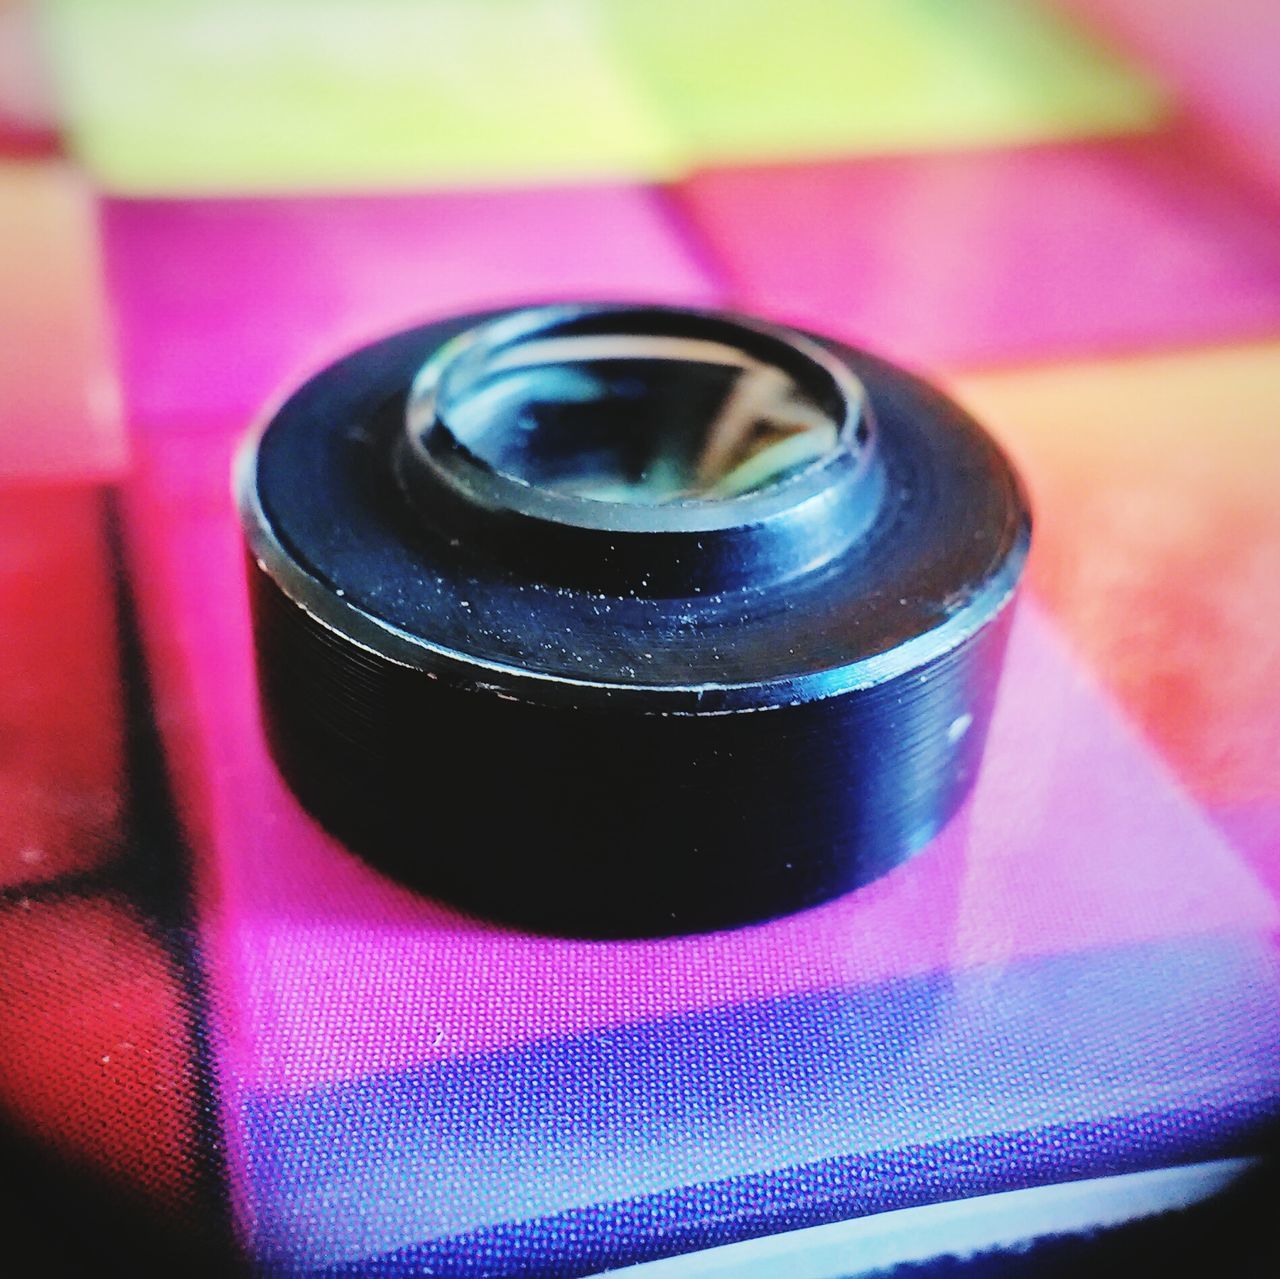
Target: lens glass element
[641,418]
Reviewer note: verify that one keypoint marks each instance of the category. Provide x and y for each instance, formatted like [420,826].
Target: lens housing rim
[578,753]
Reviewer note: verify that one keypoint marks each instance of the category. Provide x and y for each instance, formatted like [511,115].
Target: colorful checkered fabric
[222,1036]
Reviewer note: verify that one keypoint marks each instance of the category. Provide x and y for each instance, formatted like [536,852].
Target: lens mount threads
[627,620]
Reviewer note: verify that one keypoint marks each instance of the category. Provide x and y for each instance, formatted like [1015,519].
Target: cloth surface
[225,1040]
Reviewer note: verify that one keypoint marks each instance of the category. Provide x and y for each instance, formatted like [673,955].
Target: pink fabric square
[961,259]
[1077,837]
[223,304]
[1220,59]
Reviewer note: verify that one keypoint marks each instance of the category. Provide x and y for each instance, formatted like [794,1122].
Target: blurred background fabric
[227,1043]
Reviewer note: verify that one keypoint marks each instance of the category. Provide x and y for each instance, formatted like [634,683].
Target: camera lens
[628,619]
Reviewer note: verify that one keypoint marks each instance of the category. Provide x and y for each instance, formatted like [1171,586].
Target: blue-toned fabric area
[910,1093]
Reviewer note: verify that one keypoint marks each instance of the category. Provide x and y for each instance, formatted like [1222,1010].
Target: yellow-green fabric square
[265,95]
[230,96]
[775,79]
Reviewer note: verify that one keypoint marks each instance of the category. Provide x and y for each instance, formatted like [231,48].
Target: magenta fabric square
[223,304]
[968,259]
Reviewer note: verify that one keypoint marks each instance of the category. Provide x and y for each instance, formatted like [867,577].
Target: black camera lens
[628,620]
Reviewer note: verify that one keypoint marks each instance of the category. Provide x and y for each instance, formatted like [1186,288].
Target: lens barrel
[627,620]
